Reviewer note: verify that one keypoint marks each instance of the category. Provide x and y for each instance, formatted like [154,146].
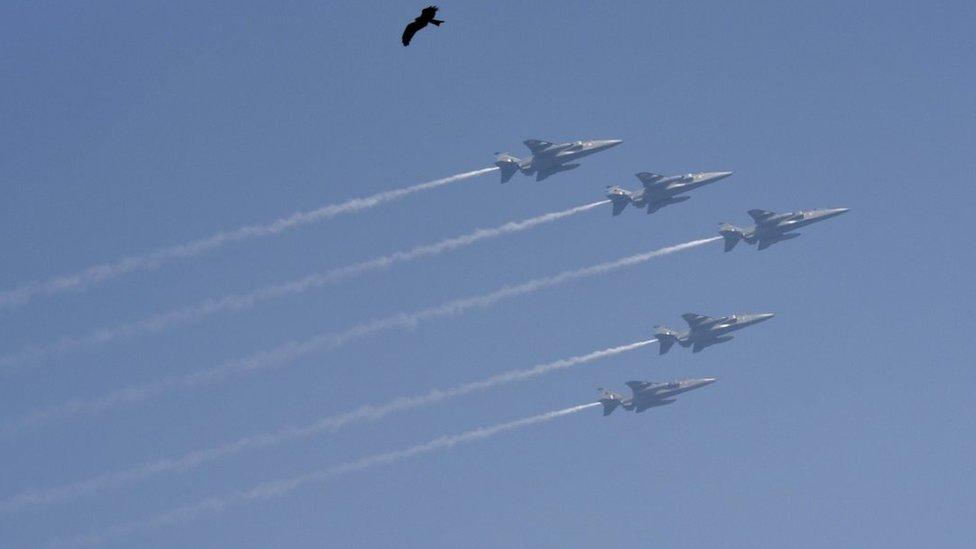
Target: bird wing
[411,30]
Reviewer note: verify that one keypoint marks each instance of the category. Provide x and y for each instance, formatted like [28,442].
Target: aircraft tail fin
[731,234]
[666,338]
[508,165]
[609,400]
[619,197]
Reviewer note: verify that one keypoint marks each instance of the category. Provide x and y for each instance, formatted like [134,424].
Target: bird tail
[436,22]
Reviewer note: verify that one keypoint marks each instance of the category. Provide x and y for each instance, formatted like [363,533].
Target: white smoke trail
[278,488]
[237,302]
[100,273]
[329,424]
[295,349]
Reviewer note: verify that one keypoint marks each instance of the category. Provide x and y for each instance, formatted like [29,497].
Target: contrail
[294,349]
[237,302]
[328,424]
[281,487]
[105,271]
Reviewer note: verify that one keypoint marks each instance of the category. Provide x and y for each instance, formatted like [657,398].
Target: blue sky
[844,421]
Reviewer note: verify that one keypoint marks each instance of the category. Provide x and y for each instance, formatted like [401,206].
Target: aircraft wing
[767,242]
[636,386]
[761,216]
[793,220]
[656,403]
[546,172]
[650,180]
[542,174]
[695,320]
[536,145]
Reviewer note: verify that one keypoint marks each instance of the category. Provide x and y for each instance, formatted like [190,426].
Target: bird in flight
[426,16]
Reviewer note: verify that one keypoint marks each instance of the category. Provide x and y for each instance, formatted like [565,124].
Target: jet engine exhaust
[106,271]
[328,424]
[284,486]
[292,350]
[238,302]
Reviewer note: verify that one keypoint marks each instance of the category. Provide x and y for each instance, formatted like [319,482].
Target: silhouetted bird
[426,16]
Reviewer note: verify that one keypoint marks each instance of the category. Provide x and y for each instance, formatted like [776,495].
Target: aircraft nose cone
[832,212]
[607,143]
[751,319]
[707,381]
[711,177]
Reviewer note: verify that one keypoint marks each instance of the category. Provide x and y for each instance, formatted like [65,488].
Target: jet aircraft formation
[548,158]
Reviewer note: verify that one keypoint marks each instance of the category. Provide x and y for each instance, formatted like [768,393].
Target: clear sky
[845,421]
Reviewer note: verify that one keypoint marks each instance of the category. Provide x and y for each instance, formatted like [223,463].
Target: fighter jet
[648,394]
[549,158]
[772,227]
[660,190]
[705,331]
